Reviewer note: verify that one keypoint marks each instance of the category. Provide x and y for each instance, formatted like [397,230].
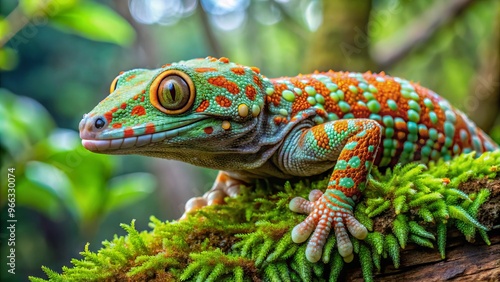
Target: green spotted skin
[214,113]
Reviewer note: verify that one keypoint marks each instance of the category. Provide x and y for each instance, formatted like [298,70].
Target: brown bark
[341,42]
[392,50]
[464,262]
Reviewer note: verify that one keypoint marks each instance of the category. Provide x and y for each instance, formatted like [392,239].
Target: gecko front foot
[224,186]
[325,210]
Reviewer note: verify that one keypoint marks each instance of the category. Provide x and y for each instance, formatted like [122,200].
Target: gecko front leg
[224,186]
[352,145]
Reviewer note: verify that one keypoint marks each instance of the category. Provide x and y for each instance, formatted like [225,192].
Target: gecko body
[215,113]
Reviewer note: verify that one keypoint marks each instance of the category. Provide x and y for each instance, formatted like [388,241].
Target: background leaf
[96,22]
[126,189]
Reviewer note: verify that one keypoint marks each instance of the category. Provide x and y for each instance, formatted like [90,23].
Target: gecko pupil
[171,89]
[99,123]
[173,92]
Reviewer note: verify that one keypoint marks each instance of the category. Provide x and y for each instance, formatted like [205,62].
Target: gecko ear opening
[172,92]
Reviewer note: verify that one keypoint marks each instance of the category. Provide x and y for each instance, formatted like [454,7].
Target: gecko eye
[99,123]
[172,92]
[112,87]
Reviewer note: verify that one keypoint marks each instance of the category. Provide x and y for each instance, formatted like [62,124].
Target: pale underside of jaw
[102,145]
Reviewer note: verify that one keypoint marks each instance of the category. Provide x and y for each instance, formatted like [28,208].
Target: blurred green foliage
[57,180]
[55,176]
[54,170]
[89,19]
[63,54]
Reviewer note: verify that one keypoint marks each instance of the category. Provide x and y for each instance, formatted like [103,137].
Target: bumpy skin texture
[214,113]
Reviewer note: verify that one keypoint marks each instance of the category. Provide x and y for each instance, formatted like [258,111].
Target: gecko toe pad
[193,204]
[323,215]
[215,197]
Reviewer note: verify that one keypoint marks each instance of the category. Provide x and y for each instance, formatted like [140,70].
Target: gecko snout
[91,125]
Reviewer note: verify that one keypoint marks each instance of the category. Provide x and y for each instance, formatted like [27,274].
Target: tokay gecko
[218,114]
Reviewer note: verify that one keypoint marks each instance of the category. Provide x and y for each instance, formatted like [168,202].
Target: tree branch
[390,51]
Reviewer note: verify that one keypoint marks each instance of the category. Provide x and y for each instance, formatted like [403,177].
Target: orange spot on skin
[142,98]
[166,65]
[205,69]
[399,125]
[238,70]
[130,77]
[441,138]
[221,81]
[224,60]
[255,69]
[321,112]
[257,81]
[117,125]
[143,91]
[208,130]
[121,72]
[222,177]
[128,132]
[277,120]
[424,133]
[136,97]
[223,101]
[276,97]
[123,106]
[250,92]
[138,111]
[203,106]
[150,128]
[109,115]
[340,126]
[401,135]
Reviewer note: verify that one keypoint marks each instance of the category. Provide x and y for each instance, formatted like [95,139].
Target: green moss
[249,237]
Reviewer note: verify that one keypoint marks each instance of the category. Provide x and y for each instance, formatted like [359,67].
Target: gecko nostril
[99,123]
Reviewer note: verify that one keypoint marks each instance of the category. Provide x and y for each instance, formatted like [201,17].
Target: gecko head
[201,104]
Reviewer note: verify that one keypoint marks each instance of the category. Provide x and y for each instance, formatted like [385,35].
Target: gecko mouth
[118,144]
[127,142]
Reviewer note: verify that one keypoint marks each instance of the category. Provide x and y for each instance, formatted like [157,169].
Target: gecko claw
[323,215]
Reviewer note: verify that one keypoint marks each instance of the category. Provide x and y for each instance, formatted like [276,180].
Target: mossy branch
[248,239]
